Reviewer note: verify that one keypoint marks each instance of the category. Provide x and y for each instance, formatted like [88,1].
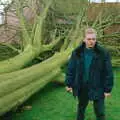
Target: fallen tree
[18,86]
[32,44]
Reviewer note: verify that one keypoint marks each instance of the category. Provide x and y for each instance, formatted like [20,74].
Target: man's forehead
[91,35]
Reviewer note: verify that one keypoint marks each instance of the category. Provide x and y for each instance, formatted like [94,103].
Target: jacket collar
[79,50]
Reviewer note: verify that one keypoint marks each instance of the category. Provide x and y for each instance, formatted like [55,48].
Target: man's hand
[107,95]
[69,89]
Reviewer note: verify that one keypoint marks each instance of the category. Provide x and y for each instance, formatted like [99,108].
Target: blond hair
[90,31]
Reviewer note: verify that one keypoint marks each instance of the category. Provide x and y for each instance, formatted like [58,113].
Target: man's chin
[90,46]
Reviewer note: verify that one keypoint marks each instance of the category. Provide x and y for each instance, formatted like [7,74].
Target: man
[89,75]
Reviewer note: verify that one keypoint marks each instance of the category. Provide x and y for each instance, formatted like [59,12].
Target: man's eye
[91,39]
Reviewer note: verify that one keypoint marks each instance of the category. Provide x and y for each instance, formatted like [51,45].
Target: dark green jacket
[100,75]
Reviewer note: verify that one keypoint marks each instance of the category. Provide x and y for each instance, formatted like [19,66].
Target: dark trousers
[98,106]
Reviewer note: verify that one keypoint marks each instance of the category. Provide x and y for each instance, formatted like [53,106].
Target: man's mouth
[91,44]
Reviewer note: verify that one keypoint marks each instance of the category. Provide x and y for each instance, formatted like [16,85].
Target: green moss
[6,52]
[54,103]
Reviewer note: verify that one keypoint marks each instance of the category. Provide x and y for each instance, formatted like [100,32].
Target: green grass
[54,103]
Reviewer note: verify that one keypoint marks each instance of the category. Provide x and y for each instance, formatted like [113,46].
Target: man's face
[90,40]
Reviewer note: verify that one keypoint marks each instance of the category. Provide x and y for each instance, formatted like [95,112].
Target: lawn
[54,103]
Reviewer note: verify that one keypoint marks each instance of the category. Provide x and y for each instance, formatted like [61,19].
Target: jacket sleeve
[108,73]
[71,71]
